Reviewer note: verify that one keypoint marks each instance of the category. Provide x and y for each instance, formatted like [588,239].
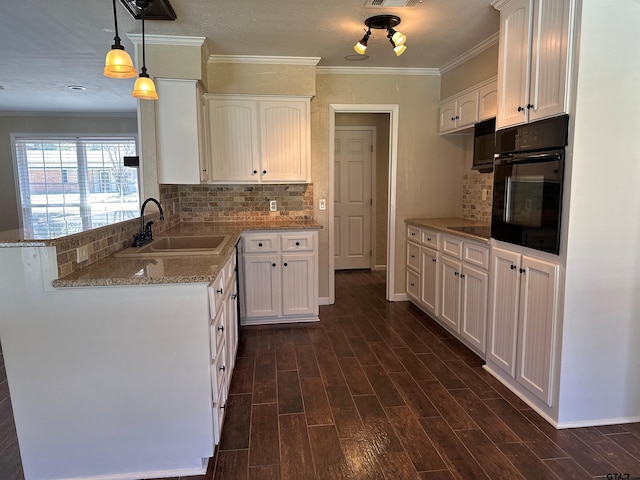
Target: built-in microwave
[528,184]
[484,135]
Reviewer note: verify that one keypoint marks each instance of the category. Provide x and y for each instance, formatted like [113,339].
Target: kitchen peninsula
[120,369]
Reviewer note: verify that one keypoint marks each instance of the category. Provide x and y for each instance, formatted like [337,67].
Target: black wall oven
[528,184]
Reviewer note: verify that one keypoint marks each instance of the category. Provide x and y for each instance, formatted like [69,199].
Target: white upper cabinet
[259,139]
[465,109]
[533,59]
[180,132]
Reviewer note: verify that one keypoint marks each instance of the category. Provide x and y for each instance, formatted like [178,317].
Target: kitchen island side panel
[105,381]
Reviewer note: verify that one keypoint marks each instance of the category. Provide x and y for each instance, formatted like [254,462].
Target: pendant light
[118,63]
[144,88]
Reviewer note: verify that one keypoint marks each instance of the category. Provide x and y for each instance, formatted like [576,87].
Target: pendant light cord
[144,63]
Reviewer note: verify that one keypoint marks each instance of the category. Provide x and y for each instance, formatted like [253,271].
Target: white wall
[600,374]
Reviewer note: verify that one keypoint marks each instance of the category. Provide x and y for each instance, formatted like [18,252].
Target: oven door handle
[527,157]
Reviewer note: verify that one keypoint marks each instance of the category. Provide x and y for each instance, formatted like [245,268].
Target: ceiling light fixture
[387,22]
[118,63]
[144,88]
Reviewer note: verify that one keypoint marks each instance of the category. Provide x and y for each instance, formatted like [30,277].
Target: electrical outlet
[485,193]
[82,253]
[323,204]
[273,206]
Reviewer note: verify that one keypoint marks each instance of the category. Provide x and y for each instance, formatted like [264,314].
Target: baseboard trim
[277,320]
[379,267]
[599,422]
[399,297]
[184,472]
[323,301]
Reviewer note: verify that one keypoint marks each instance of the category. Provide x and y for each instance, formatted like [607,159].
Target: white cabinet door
[262,285]
[231,330]
[474,296]
[298,273]
[537,326]
[180,153]
[448,112]
[234,142]
[467,110]
[450,292]
[504,301]
[487,101]
[284,134]
[429,288]
[513,62]
[549,51]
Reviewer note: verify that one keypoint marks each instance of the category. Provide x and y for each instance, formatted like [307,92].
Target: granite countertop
[447,225]
[112,270]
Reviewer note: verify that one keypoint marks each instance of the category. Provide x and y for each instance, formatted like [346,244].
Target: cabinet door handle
[285,264]
[297,244]
[413,234]
[254,172]
[264,172]
[219,291]
[222,369]
[529,106]
[453,118]
[513,267]
[234,296]
[221,328]
[433,260]
[428,239]
[462,275]
[273,264]
[260,244]
[413,256]
[456,273]
[520,109]
[412,284]
[522,270]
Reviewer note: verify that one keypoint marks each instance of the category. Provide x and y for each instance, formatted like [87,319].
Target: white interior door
[352,200]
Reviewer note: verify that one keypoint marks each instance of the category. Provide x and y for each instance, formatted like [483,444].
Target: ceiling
[50,45]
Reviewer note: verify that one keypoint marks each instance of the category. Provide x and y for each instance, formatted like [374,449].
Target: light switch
[323,204]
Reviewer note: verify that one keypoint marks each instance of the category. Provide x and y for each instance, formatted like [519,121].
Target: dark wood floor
[377,390]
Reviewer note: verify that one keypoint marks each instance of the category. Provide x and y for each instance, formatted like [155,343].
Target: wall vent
[391,3]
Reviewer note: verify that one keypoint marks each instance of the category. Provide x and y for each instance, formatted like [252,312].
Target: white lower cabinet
[223,298]
[450,282]
[523,320]
[279,277]
[464,290]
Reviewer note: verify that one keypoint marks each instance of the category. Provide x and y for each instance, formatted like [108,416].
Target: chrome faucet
[146,235]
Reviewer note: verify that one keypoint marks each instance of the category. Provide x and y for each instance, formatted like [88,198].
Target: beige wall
[46,124]
[429,169]
[475,70]
[261,79]
[381,170]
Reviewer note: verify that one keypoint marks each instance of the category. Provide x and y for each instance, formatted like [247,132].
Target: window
[71,184]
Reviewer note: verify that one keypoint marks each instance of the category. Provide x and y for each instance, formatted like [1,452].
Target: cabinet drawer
[476,254]
[413,233]
[216,332]
[216,293]
[218,372]
[261,243]
[429,238]
[230,267]
[413,284]
[452,246]
[297,242]
[413,256]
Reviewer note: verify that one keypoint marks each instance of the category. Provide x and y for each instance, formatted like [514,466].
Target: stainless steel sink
[177,246]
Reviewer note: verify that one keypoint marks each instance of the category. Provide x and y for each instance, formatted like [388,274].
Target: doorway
[389,190]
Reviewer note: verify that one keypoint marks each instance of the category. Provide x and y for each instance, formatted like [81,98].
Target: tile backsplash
[473,206]
[245,203]
[190,203]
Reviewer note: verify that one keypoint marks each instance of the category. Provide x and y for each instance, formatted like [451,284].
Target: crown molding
[376,71]
[264,60]
[469,54]
[176,40]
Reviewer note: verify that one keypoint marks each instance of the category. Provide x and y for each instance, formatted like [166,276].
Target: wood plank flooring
[377,390]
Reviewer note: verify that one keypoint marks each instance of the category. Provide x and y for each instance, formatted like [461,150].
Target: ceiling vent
[391,3]
[153,9]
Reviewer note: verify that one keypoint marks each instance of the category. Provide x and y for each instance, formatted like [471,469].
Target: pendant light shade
[118,63]
[144,89]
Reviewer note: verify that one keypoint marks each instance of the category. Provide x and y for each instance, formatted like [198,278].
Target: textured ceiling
[48,45]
